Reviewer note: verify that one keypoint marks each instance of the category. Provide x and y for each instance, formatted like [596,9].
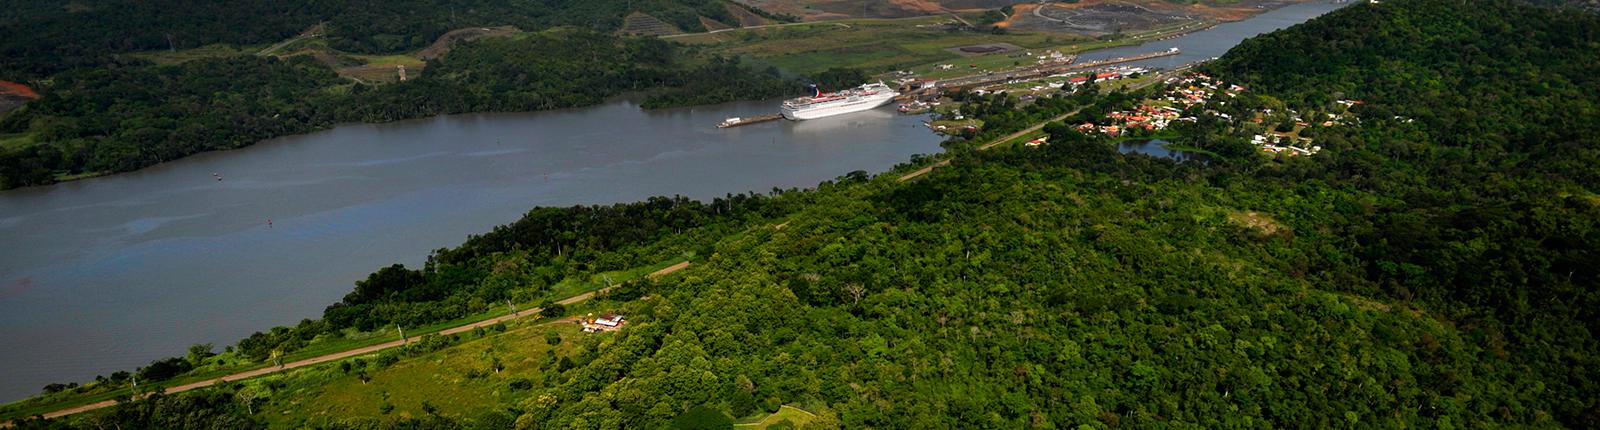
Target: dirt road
[351,353]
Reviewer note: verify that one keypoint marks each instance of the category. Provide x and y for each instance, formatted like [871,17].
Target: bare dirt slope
[745,17]
[13,95]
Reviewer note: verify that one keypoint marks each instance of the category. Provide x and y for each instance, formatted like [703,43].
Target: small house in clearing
[605,323]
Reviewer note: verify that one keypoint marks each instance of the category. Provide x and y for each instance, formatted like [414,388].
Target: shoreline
[262,369]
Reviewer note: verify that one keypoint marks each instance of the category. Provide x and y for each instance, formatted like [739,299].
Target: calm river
[109,273]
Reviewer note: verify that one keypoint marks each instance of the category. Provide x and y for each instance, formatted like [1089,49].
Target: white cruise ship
[821,104]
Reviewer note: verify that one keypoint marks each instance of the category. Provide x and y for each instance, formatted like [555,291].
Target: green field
[230,363]
[915,44]
[390,60]
[15,141]
[457,381]
[183,55]
[875,45]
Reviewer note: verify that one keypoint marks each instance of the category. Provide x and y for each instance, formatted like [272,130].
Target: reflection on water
[862,119]
[1157,148]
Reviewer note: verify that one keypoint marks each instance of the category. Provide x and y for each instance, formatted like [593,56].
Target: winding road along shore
[350,353]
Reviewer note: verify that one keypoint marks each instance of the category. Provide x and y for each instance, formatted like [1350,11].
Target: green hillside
[116,119]
[39,38]
[1435,266]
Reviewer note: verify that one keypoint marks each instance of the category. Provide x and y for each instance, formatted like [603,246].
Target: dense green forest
[104,111]
[1436,266]
[124,118]
[1476,170]
[39,38]
[130,116]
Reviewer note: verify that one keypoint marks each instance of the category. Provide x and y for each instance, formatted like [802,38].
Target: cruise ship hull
[838,109]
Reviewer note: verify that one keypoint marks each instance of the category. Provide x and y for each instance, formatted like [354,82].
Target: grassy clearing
[573,286]
[15,141]
[867,44]
[389,60]
[797,416]
[914,44]
[1019,140]
[324,345]
[185,55]
[457,381]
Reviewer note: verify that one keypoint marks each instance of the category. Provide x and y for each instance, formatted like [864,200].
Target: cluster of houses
[1198,88]
[1147,117]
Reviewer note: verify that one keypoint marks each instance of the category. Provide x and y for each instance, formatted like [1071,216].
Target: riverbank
[305,357]
[128,118]
[354,198]
[349,200]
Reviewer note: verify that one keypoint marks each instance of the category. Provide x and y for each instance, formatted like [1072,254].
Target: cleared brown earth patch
[16,89]
[923,6]
[713,25]
[13,95]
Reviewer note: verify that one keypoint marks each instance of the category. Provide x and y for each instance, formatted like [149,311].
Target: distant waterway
[1217,40]
[108,273]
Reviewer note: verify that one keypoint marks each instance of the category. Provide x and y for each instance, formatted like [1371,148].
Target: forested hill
[104,110]
[1479,148]
[1436,265]
[39,38]
[1443,63]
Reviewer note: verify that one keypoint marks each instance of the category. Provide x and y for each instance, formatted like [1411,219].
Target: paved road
[351,353]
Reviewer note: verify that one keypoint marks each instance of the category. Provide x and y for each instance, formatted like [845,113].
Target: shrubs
[552,310]
[164,369]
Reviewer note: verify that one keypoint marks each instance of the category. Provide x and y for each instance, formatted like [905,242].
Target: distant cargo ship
[821,104]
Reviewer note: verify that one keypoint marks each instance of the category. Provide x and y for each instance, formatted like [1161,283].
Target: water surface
[110,273]
[1157,148]
[1217,40]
